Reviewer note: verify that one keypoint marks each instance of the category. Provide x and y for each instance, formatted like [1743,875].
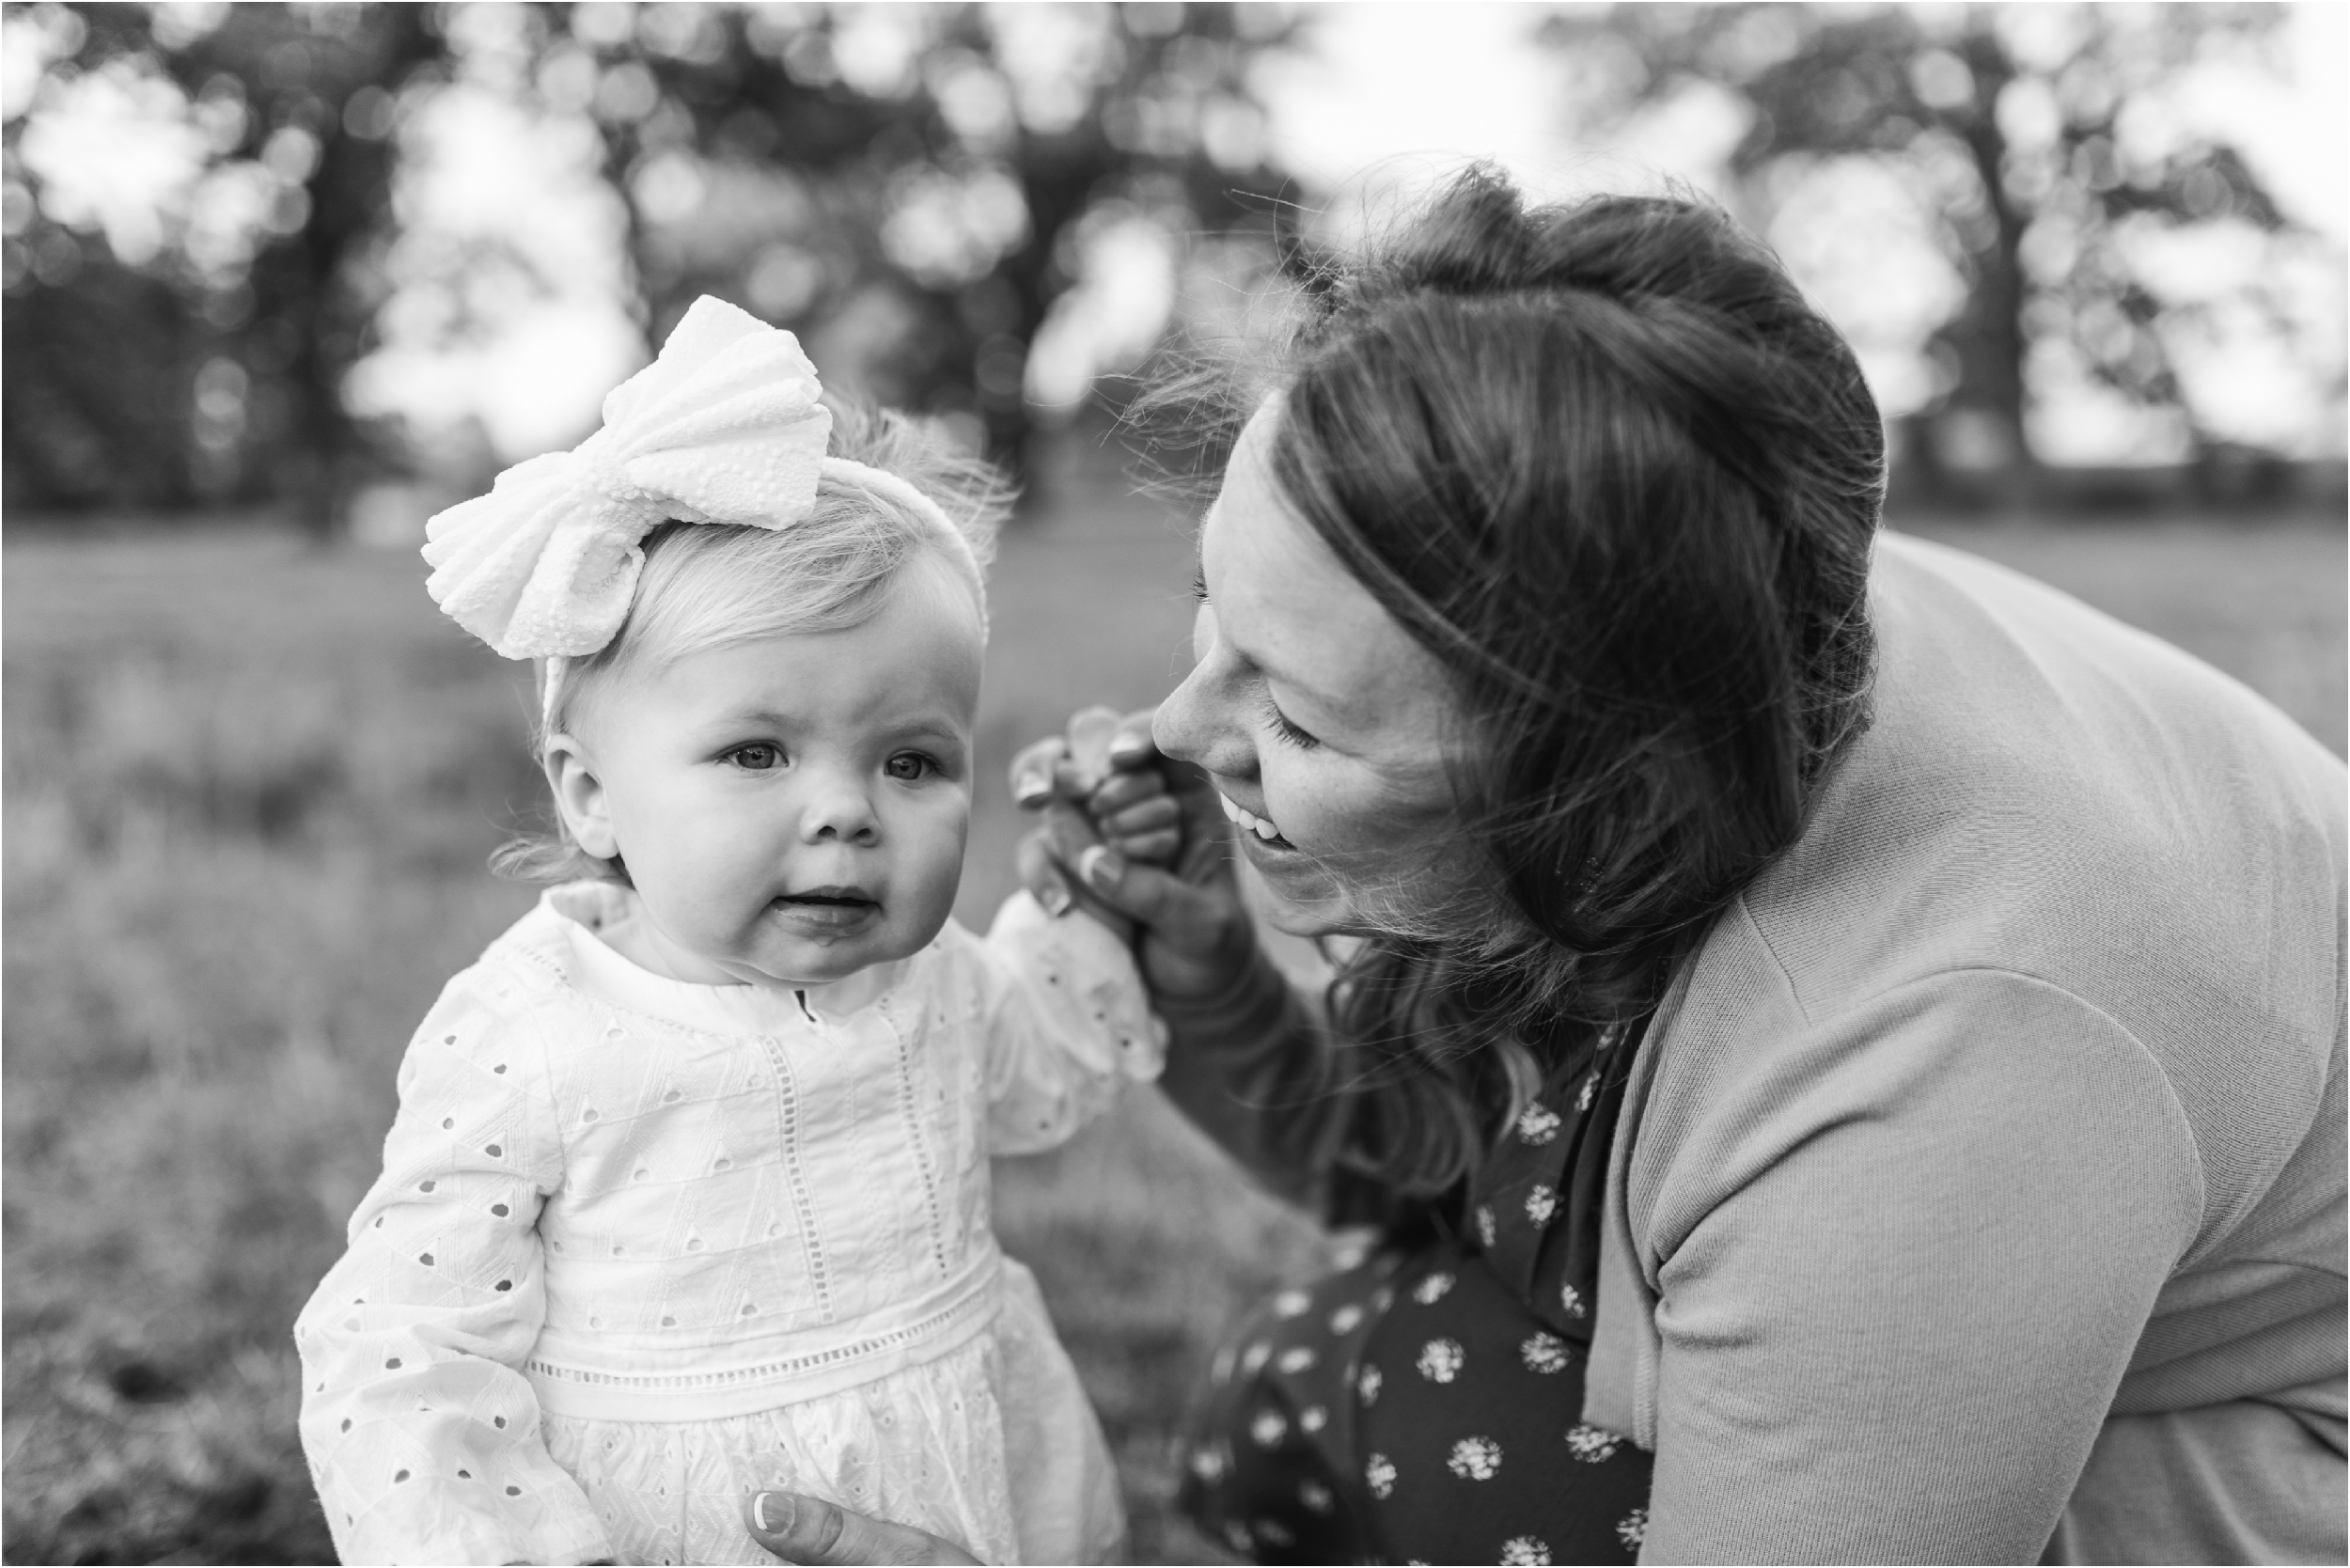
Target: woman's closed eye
[1284,729]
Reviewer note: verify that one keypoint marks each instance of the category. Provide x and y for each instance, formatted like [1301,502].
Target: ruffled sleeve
[1069,1025]
[421,1432]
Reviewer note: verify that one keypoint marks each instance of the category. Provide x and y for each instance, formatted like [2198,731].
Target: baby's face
[793,810]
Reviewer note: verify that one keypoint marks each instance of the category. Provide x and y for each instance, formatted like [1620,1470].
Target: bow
[724,426]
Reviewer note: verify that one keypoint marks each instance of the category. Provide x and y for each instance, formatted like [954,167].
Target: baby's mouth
[834,905]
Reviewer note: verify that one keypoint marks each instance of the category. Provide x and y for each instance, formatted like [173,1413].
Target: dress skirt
[992,1446]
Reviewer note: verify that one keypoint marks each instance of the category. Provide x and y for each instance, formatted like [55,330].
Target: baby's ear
[579,795]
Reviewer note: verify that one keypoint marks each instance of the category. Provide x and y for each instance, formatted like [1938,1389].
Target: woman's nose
[839,813]
[1196,723]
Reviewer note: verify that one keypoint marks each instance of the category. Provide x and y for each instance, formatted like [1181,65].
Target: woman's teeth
[1248,820]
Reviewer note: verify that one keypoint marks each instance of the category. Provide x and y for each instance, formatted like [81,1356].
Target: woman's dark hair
[1606,463]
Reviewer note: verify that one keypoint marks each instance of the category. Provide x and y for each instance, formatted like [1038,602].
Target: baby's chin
[791,951]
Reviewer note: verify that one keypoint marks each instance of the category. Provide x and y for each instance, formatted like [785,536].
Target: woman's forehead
[1286,601]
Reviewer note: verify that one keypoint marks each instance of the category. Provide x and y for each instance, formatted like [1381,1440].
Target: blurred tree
[2038,137]
[186,188]
[201,239]
[912,187]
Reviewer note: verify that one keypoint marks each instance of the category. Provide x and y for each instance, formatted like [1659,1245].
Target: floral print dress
[1424,1402]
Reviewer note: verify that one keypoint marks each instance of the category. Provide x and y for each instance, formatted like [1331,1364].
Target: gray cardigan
[1979,1189]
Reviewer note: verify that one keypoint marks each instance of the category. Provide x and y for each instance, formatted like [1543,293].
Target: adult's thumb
[804,1529]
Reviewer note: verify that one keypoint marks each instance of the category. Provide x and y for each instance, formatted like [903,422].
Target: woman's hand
[1137,839]
[805,1530]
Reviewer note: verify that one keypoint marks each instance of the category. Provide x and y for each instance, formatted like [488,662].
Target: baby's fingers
[1122,790]
[1144,817]
[1157,847]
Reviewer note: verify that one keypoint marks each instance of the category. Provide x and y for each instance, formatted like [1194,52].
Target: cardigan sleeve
[1899,1273]
[422,1434]
[1068,1026]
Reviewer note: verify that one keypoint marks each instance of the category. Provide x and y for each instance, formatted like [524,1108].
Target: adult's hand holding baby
[809,1530]
[1136,837]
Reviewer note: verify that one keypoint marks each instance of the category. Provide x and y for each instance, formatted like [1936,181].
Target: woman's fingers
[806,1529]
[1040,874]
[1033,769]
[1091,732]
[1131,746]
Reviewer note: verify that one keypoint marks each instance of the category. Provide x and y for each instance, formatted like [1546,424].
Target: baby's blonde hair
[705,587]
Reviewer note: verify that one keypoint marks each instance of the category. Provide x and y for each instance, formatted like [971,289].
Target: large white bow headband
[722,427]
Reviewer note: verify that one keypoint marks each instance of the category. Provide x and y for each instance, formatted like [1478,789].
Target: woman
[1846,1044]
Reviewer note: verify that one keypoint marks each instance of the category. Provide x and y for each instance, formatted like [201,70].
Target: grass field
[249,787]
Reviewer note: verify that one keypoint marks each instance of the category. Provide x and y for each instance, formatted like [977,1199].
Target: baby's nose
[840,815]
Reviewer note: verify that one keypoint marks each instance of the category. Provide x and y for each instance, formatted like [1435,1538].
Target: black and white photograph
[1049,781]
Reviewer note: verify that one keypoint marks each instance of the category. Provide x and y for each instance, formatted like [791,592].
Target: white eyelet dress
[641,1248]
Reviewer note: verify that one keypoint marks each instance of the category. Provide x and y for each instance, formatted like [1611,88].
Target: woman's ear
[579,795]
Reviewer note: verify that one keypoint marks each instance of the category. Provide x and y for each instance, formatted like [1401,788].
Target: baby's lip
[847,893]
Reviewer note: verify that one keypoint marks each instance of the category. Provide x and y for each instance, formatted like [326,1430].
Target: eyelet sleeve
[421,1432]
[1069,1025]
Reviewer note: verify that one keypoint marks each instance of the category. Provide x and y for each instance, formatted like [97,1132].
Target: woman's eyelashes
[912,767]
[1283,728]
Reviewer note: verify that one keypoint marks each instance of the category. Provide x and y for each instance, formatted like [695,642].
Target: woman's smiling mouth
[1249,821]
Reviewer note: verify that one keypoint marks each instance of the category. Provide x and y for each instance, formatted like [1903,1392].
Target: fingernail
[1128,746]
[1101,866]
[758,1513]
[1030,788]
[1054,899]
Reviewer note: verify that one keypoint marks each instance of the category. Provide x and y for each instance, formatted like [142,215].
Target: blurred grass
[249,786]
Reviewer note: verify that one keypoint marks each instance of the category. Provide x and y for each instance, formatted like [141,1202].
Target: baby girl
[687,1196]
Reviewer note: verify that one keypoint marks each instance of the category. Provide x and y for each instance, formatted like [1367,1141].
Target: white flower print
[1541,1203]
[1485,1224]
[1632,1530]
[1206,1463]
[1274,1533]
[1544,1353]
[1380,1473]
[1252,1361]
[1537,1125]
[1569,1297]
[1295,1359]
[1593,1444]
[1366,1385]
[1345,1318]
[1440,1361]
[1316,1497]
[1312,1419]
[1289,1303]
[1524,1551]
[1268,1428]
[1474,1459]
[1237,1533]
[1431,1290]
[1583,1095]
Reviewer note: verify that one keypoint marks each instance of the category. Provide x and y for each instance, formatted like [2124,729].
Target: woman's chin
[1302,899]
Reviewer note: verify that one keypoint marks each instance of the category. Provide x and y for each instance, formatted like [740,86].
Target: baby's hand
[1130,806]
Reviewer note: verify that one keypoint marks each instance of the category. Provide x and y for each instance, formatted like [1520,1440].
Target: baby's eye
[908,766]
[758,757]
